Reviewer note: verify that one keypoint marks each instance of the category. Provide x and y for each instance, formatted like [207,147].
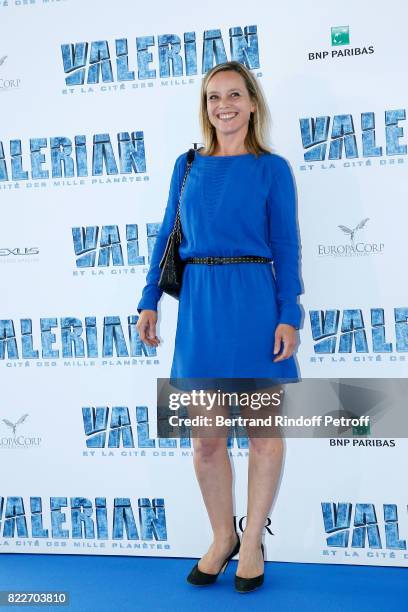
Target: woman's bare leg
[214,475]
[264,471]
[213,470]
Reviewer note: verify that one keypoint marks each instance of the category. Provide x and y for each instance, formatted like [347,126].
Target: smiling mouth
[226,116]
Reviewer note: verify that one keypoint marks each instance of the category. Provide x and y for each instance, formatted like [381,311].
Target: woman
[235,321]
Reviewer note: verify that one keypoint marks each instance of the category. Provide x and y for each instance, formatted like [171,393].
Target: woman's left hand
[288,335]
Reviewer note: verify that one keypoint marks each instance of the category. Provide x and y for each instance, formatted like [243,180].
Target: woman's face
[228,102]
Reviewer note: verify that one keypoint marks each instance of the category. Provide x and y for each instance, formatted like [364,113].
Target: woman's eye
[234,93]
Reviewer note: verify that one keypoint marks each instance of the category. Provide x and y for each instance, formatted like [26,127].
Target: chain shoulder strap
[177,224]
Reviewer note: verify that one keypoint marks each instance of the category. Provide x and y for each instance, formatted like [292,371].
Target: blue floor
[121,584]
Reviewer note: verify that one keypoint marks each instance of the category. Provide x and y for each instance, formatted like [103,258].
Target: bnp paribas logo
[340,46]
[340,35]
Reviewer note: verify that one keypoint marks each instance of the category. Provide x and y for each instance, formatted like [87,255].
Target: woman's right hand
[146,327]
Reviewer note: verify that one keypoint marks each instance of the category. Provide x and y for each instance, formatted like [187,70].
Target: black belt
[222,260]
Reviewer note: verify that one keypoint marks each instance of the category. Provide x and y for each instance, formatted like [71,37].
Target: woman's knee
[269,447]
[207,448]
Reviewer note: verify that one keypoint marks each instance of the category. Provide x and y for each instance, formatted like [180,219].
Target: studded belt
[222,260]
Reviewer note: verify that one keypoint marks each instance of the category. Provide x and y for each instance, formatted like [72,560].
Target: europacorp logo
[333,139]
[350,334]
[340,46]
[356,530]
[354,244]
[13,434]
[8,82]
[169,60]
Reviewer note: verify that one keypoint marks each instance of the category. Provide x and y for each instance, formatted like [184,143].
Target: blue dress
[228,313]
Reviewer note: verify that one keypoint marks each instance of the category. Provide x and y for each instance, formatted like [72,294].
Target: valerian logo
[363,531]
[98,62]
[355,248]
[344,137]
[13,426]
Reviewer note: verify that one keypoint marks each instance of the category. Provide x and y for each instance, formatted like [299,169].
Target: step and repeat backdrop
[97,101]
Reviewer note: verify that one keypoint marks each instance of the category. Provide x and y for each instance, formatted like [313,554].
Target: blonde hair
[259,122]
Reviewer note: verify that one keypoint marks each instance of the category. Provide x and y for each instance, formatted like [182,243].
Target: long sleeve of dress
[152,293]
[284,241]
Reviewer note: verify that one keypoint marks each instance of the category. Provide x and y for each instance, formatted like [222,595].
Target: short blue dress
[232,205]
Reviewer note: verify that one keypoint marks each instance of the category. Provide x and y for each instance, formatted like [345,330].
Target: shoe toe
[246,585]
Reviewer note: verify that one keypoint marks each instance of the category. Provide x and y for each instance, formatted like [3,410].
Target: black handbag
[171,264]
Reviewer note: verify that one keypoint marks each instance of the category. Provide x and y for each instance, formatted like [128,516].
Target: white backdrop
[65,489]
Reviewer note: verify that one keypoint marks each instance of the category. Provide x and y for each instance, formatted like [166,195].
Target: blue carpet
[122,584]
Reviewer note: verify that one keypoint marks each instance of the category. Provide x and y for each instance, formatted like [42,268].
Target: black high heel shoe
[199,578]
[246,585]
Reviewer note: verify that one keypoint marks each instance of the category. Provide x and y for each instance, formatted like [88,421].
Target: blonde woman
[238,314]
